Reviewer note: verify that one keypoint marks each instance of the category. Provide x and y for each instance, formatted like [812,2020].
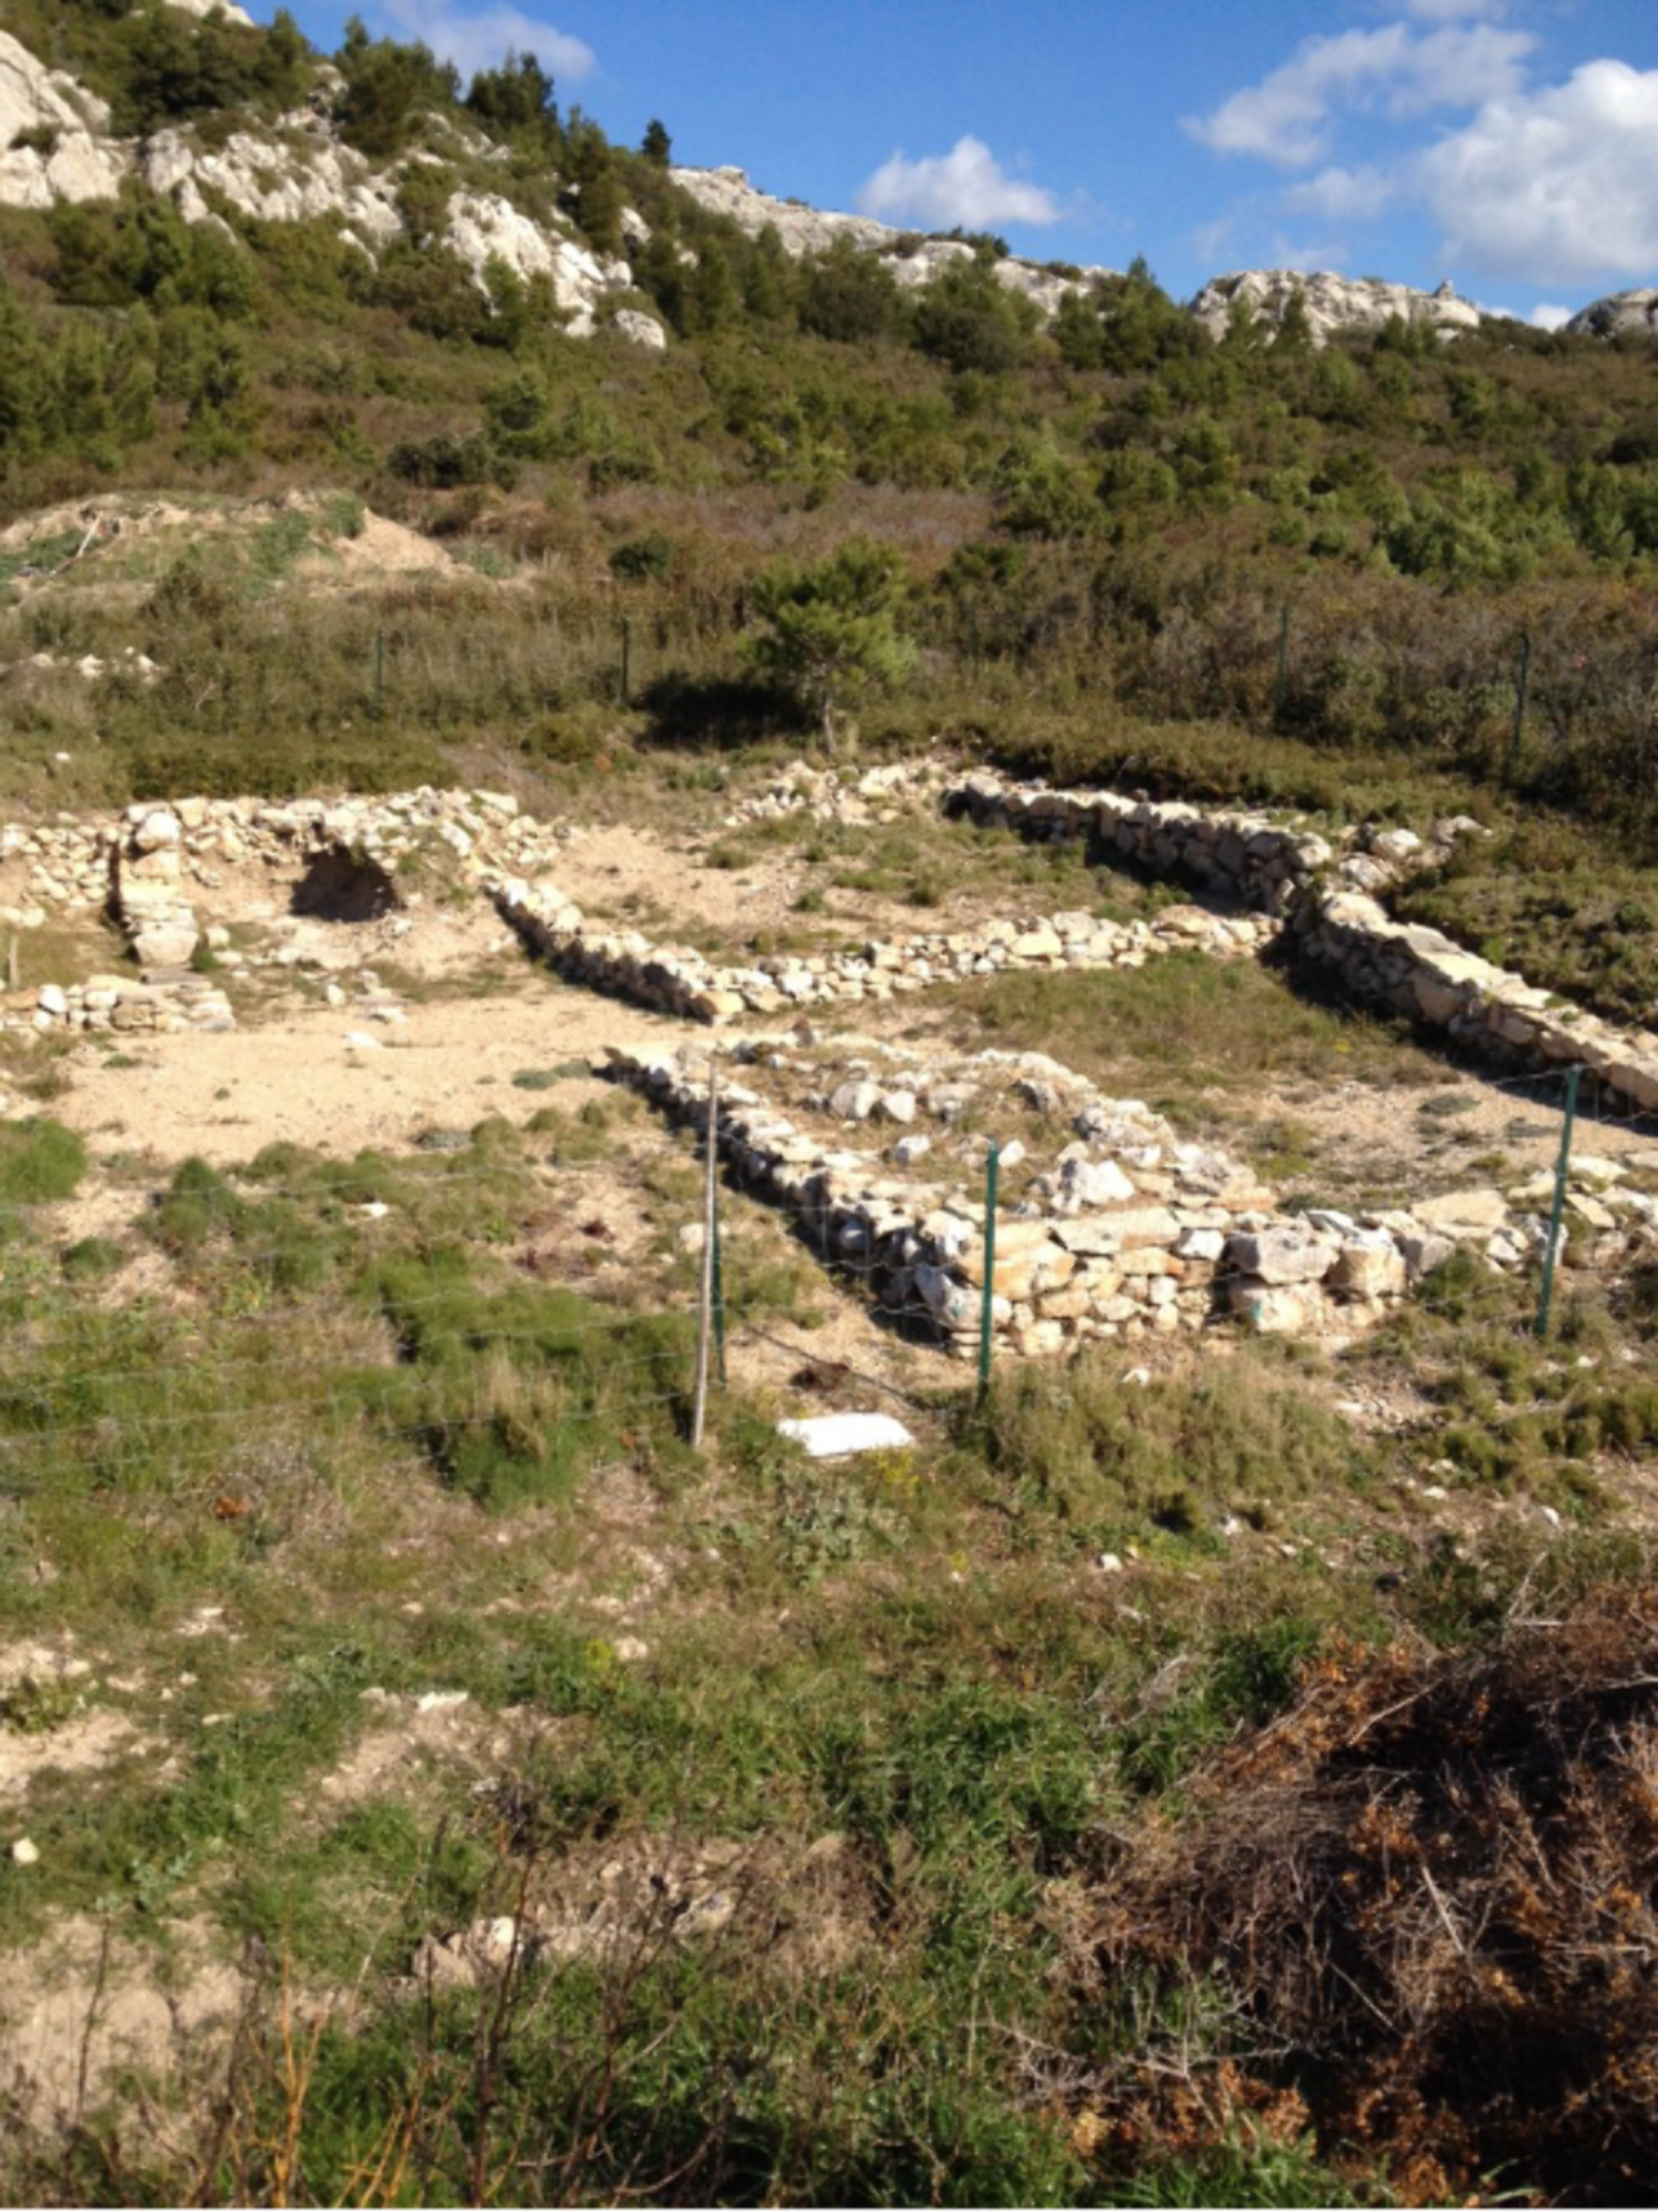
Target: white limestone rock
[229,8]
[639,329]
[482,228]
[1334,303]
[274,179]
[1287,1253]
[33,96]
[802,231]
[1463,1212]
[1085,1185]
[1632,314]
[1294,1309]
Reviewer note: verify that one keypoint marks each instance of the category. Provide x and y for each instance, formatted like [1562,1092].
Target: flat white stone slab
[839,1435]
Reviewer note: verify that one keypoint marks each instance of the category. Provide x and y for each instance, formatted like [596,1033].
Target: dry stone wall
[152,866]
[842,798]
[68,857]
[1417,971]
[1248,858]
[675,980]
[1129,1231]
[1334,922]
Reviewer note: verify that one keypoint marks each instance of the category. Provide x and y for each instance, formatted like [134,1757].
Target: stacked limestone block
[675,980]
[1335,923]
[148,888]
[1131,1231]
[1251,859]
[843,798]
[124,1004]
[1417,971]
[484,832]
[69,857]
[152,864]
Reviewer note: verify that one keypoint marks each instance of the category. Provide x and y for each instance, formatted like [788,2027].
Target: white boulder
[1632,314]
[639,329]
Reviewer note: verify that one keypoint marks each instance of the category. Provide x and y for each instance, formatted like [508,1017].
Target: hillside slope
[625,391]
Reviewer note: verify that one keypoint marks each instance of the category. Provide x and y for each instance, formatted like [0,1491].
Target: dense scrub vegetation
[1103,520]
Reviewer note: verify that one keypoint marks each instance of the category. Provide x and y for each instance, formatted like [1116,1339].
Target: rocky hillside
[60,144]
[1332,303]
[915,261]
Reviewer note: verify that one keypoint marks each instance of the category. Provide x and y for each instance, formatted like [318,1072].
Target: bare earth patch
[84,2007]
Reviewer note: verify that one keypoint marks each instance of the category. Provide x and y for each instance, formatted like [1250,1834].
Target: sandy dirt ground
[670,877]
[300,1081]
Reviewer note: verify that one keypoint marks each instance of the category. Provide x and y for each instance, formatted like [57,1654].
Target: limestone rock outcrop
[297,169]
[802,231]
[1619,315]
[1334,303]
[482,228]
[68,155]
[228,8]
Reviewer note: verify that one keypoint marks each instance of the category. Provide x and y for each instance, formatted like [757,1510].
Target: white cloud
[966,187]
[480,37]
[1557,185]
[1546,316]
[1288,117]
[1455,11]
[1346,195]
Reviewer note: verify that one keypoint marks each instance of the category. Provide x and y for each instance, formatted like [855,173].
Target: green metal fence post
[986,1307]
[1521,691]
[719,1358]
[1573,1077]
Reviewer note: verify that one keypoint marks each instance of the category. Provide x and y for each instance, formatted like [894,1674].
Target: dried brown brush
[1431,1890]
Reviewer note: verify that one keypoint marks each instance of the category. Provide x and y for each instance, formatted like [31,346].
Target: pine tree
[832,630]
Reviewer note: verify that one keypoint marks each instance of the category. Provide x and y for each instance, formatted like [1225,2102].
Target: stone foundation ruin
[1127,1230]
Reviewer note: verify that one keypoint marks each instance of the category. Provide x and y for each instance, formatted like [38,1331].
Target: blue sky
[1511,145]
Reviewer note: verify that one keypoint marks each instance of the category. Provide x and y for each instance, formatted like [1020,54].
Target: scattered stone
[855,1101]
[1463,1211]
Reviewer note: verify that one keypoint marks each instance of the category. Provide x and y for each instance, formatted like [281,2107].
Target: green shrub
[41,1162]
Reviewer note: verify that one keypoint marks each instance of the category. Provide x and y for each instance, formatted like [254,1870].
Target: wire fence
[506,1324]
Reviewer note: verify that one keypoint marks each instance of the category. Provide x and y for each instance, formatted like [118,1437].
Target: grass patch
[41,1161]
[1549,901]
[1101,1454]
[547,1079]
[1191,1022]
